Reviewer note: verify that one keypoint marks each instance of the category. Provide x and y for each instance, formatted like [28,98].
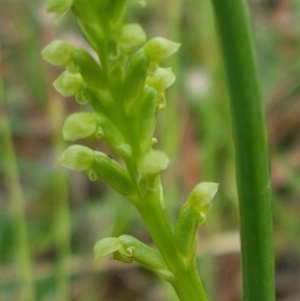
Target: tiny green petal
[161,78]
[201,196]
[106,246]
[79,125]
[77,157]
[68,83]
[131,35]
[59,6]
[153,162]
[58,53]
[160,48]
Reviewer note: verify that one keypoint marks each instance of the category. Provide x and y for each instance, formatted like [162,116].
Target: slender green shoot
[22,255]
[251,153]
[62,228]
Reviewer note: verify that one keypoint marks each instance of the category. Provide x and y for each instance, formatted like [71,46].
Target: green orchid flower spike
[124,86]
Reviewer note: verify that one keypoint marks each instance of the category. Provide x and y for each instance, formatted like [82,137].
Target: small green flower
[58,53]
[68,83]
[130,35]
[160,48]
[106,246]
[153,162]
[161,78]
[59,6]
[77,157]
[79,125]
[127,249]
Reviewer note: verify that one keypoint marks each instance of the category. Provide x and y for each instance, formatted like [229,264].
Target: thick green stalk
[251,155]
[187,285]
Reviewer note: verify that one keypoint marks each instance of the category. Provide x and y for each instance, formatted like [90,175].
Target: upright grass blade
[62,231]
[169,119]
[16,205]
[251,155]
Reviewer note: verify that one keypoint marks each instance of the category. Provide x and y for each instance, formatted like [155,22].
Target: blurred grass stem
[251,156]
[16,205]
[62,230]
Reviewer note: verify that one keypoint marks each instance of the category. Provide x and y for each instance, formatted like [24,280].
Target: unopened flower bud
[79,125]
[68,83]
[77,157]
[201,196]
[59,6]
[160,48]
[58,53]
[130,35]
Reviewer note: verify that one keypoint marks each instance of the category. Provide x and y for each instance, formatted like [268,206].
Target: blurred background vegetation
[50,218]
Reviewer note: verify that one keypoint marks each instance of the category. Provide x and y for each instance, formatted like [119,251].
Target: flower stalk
[125,89]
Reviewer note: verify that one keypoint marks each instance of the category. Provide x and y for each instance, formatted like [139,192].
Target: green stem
[187,285]
[252,166]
